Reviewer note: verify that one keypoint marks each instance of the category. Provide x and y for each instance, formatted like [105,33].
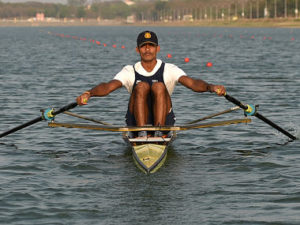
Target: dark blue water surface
[238,174]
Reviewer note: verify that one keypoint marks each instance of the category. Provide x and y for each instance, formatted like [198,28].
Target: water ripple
[238,174]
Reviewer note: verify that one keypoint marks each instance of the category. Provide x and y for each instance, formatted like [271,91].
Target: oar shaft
[235,101]
[65,108]
[259,116]
[38,119]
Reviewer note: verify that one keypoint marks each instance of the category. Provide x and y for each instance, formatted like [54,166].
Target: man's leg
[161,103]
[138,103]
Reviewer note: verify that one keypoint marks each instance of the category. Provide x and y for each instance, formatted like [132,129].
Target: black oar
[38,119]
[258,115]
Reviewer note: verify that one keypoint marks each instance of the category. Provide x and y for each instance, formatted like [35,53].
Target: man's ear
[158,49]
[137,50]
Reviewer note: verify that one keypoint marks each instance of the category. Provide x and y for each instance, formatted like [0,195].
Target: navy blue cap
[147,37]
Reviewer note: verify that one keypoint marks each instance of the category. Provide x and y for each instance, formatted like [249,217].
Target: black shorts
[170,119]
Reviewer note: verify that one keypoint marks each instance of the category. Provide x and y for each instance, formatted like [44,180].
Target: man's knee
[142,87]
[158,87]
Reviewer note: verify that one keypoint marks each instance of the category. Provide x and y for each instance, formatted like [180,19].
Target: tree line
[156,10]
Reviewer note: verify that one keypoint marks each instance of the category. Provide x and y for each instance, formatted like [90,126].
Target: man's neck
[149,66]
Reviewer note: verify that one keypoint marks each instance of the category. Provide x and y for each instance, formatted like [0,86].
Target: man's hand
[219,89]
[83,99]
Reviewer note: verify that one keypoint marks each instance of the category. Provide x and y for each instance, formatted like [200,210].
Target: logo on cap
[147,35]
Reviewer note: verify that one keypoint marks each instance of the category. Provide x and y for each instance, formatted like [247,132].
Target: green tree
[77,3]
[161,5]
[111,10]
[64,11]
[80,12]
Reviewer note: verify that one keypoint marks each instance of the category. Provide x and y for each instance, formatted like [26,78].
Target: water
[239,174]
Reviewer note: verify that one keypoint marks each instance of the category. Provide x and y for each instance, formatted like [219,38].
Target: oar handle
[259,116]
[38,119]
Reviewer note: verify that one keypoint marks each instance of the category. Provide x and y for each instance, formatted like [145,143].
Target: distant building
[130,19]
[128,2]
[188,18]
[40,16]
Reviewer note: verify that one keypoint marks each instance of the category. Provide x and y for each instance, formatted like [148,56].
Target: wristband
[209,88]
[87,92]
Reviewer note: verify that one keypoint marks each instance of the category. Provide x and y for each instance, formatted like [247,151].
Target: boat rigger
[149,153]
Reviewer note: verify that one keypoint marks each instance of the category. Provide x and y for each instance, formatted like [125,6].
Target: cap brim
[148,42]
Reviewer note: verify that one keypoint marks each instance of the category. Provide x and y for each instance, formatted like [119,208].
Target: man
[151,83]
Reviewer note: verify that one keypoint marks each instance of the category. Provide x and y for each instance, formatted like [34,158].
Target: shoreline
[253,23]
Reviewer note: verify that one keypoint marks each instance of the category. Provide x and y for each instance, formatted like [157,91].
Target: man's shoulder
[171,66]
[126,72]
[127,69]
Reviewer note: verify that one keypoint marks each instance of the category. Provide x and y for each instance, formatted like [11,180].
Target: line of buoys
[168,56]
[84,39]
[187,60]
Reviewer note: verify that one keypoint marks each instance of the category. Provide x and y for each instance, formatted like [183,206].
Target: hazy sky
[44,1]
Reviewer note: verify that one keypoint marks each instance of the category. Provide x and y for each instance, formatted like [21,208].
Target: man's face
[148,52]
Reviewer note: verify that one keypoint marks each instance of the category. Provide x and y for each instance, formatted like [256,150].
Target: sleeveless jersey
[157,77]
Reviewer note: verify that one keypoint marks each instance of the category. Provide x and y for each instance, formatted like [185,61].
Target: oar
[38,119]
[252,111]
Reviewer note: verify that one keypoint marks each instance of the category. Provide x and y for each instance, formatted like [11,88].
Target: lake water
[238,174]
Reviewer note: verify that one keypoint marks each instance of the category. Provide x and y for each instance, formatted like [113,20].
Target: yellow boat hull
[149,153]
[149,157]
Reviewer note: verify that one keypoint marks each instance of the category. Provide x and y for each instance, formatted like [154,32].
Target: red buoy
[169,56]
[209,64]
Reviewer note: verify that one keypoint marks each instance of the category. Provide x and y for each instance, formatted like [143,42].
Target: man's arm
[100,90]
[201,86]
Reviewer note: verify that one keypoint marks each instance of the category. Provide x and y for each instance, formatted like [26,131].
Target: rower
[150,83]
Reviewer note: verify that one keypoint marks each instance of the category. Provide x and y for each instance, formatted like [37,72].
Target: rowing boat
[149,153]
